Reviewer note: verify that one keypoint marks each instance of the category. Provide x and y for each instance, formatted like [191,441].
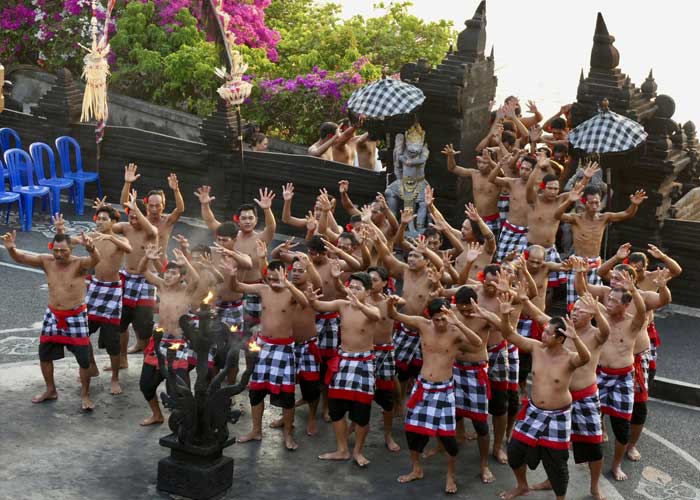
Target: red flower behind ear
[145,200]
[426,313]
[236,218]
[517,165]
[626,261]
[263,272]
[349,228]
[453,300]
[570,307]
[584,200]
[126,210]
[526,254]
[480,276]
[94,218]
[543,185]
[289,267]
[50,245]
[165,264]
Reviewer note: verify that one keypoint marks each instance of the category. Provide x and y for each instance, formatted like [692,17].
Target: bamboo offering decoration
[96,69]
[234,90]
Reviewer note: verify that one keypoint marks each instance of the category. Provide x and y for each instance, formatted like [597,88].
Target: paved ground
[53,450]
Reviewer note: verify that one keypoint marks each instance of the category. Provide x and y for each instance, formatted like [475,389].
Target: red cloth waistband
[330,315]
[498,346]
[276,341]
[420,391]
[333,365]
[585,393]
[514,228]
[383,347]
[491,218]
[63,314]
[653,333]
[617,371]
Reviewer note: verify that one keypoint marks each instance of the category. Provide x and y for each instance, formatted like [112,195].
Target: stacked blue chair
[16,160]
[64,144]
[8,199]
[54,183]
[8,139]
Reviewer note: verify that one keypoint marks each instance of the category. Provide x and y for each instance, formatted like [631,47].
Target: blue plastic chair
[64,144]
[54,183]
[16,159]
[8,199]
[8,139]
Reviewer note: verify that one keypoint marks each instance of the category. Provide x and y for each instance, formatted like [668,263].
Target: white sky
[532,64]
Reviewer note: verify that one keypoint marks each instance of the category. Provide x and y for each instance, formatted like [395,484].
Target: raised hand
[535,133]
[182,241]
[336,269]
[429,195]
[473,250]
[260,249]
[589,304]
[288,191]
[366,214]
[343,186]
[505,303]
[173,183]
[312,294]
[311,222]
[579,265]
[99,203]
[532,107]
[282,277]
[130,174]
[179,257]
[9,239]
[352,298]
[59,222]
[471,212]
[576,192]
[626,280]
[655,252]
[330,247]
[501,113]
[662,277]
[623,251]
[503,284]
[266,197]
[407,216]
[451,316]
[638,197]
[286,246]
[520,290]
[590,170]
[449,150]
[324,202]
[570,331]
[87,242]
[433,276]
[203,194]
[131,202]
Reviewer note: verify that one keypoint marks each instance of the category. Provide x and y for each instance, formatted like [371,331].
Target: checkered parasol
[385,98]
[607,132]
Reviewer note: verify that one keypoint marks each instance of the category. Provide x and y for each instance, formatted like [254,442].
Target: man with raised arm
[543,429]
[155,205]
[327,137]
[176,298]
[381,215]
[275,369]
[138,296]
[431,407]
[246,242]
[350,375]
[484,192]
[588,228]
[65,321]
[104,291]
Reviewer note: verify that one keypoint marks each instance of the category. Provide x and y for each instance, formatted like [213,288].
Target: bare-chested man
[66,321]
[431,408]
[138,296]
[545,424]
[332,143]
[350,375]
[176,298]
[246,242]
[588,228]
[485,192]
[586,426]
[275,369]
[104,292]
[381,215]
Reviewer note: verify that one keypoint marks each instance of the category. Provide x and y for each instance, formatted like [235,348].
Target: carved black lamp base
[194,472]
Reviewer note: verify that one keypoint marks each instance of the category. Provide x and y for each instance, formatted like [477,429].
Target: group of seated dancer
[442,329]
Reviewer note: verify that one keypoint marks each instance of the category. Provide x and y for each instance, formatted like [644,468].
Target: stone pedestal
[194,472]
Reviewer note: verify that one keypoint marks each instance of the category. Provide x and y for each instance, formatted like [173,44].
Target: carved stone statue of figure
[408,190]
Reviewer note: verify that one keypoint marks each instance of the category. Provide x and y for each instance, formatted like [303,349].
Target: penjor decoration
[96,69]
[234,90]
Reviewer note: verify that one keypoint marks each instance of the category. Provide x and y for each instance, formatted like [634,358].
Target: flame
[174,347]
[233,328]
[207,300]
[159,330]
[252,346]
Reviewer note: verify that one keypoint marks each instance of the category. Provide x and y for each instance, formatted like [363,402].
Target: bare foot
[597,495]
[87,405]
[300,402]
[471,436]
[152,420]
[391,444]
[487,476]
[360,459]
[45,396]
[335,455]
[251,436]
[414,475]
[134,349]
[606,438]
[289,443]
[430,452]
[450,485]
[633,454]
[618,474]
[500,456]
[116,388]
[311,427]
[123,364]
[326,417]
[544,485]
[515,492]
[277,424]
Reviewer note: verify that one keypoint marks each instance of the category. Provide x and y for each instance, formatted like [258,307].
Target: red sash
[63,314]
[419,393]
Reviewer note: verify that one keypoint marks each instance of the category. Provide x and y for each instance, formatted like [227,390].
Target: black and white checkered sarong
[591,277]
[513,367]
[498,366]
[546,428]
[275,370]
[586,424]
[65,327]
[384,366]
[503,207]
[328,332]
[407,350]
[307,360]
[616,391]
[231,313]
[252,308]
[350,376]
[431,408]
[556,278]
[104,301]
[472,390]
[512,237]
[137,291]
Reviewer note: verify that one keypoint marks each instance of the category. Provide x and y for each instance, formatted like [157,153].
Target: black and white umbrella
[607,132]
[384,98]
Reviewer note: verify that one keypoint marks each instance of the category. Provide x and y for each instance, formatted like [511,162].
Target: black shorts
[109,336]
[51,351]
[587,452]
[284,400]
[358,412]
[553,461]
[310,390]
[141,318]
[384,398]
[151,377]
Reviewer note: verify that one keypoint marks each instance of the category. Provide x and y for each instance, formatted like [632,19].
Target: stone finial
[649,86]
[472,40]
[665,106]
[491,57]
[581,77]
[604,55]
[689,128]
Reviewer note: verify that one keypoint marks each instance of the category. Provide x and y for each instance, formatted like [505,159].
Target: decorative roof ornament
[472,40]
[234,90]
[604,55]
[649,86]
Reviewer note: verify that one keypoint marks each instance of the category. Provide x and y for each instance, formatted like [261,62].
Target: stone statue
[408,190]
